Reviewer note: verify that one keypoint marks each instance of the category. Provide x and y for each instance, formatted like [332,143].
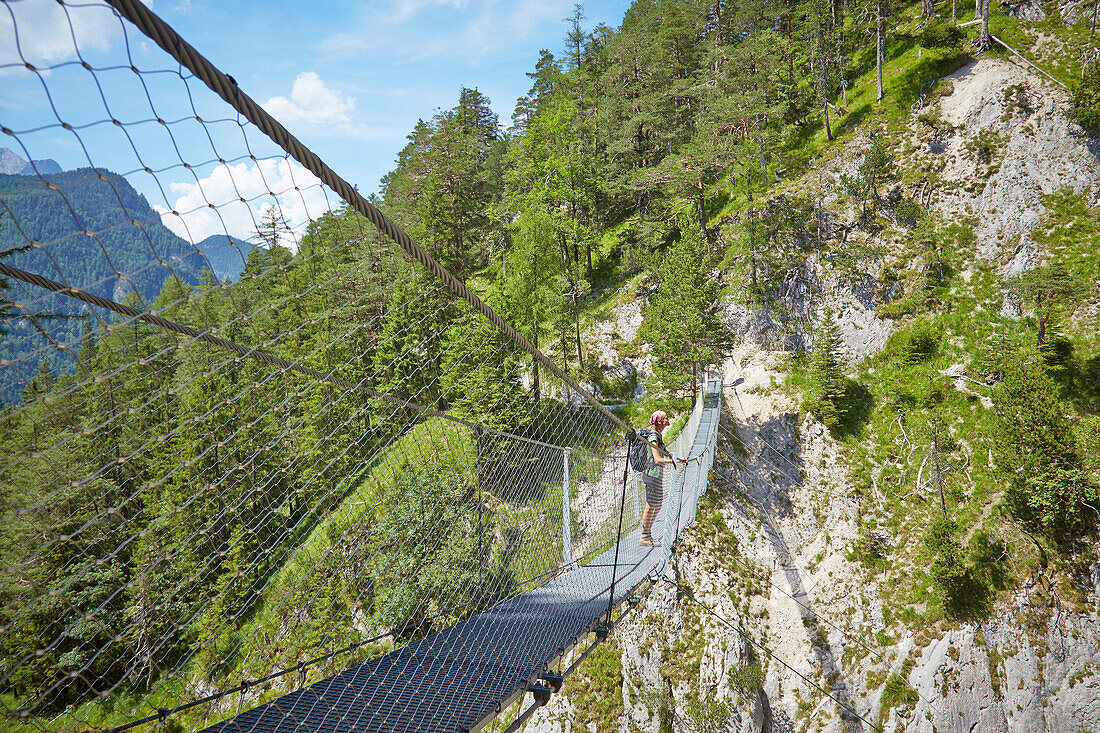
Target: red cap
[658,417]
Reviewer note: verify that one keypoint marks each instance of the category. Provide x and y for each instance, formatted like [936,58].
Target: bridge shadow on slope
[767,465]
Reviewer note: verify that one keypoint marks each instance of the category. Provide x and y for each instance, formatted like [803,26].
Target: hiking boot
[648,541]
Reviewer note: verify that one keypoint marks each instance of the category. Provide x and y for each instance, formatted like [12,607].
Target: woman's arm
[659,457]
[663,457]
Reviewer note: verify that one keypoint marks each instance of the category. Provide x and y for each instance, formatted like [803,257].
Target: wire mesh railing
[249,441]
[463,676]
[182,519]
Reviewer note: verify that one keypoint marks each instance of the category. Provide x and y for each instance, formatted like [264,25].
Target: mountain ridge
[92,230]
[11,164]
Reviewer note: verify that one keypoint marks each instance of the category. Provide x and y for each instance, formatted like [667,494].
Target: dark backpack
[641,456]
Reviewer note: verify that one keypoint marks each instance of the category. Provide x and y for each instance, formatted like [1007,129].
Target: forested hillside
[877,220]
[128,234]
[98,234]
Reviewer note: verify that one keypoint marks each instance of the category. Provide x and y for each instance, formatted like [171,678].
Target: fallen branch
[1021,56]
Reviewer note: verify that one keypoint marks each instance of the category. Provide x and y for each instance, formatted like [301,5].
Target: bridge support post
[566,512]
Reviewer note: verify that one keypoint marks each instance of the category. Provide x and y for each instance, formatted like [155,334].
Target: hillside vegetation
[904,272]
[89,229]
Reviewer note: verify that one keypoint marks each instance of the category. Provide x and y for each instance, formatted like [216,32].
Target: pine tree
[1036,449]
[1049,290]
[947,568]
[828,383]
[822,46]
[481,375]
[683,319]
[535,283]
[545,78]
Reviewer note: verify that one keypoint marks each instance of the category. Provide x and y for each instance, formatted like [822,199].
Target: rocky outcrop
[768,564]
[1024,10]
[1026,115]
[13,165]
[802,300]
[770,557]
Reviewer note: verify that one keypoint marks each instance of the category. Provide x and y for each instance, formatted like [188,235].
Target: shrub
[869,548]
[916,343]
[1084,106]
[985,145]
[898,693]
[909,212]
[1017,101]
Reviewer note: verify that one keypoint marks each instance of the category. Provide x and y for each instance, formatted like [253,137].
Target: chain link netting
[248,441]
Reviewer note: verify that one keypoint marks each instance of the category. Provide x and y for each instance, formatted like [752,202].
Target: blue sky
[350,79]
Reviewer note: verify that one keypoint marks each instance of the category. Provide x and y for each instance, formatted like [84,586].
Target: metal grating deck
[455,679]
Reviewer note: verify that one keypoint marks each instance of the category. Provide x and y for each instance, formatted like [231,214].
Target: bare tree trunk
[828,127]
[928,8]
[984,41]
[596,118]
[760,151]
[702,213]
[880,43]
[577,319]
[954,11]
[938,469]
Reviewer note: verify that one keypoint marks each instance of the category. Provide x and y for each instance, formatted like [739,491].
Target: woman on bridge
[653,477]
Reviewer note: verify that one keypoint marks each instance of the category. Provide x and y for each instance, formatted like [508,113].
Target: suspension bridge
[461,677]
[321,496]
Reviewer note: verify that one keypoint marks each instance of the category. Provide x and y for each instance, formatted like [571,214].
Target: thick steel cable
[253,353]
[226,87]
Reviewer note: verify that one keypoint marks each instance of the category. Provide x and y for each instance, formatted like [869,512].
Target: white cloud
[226,185]
[312,102]
[45,31]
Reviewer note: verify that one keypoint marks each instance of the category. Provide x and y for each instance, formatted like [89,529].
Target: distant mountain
[114,232]
[226,255]
[12,165]
[89,230]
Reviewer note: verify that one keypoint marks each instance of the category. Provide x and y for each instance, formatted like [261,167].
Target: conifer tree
[1048,290]
[683,319]
[1036,448]
[535,283]
[947,567]
[481,374]
[828,383]
[545,78]
[822,45]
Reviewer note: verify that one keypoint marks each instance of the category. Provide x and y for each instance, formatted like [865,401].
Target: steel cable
[226,87]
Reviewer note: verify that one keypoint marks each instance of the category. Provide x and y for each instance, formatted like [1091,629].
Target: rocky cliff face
[13,165]
[763,623]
